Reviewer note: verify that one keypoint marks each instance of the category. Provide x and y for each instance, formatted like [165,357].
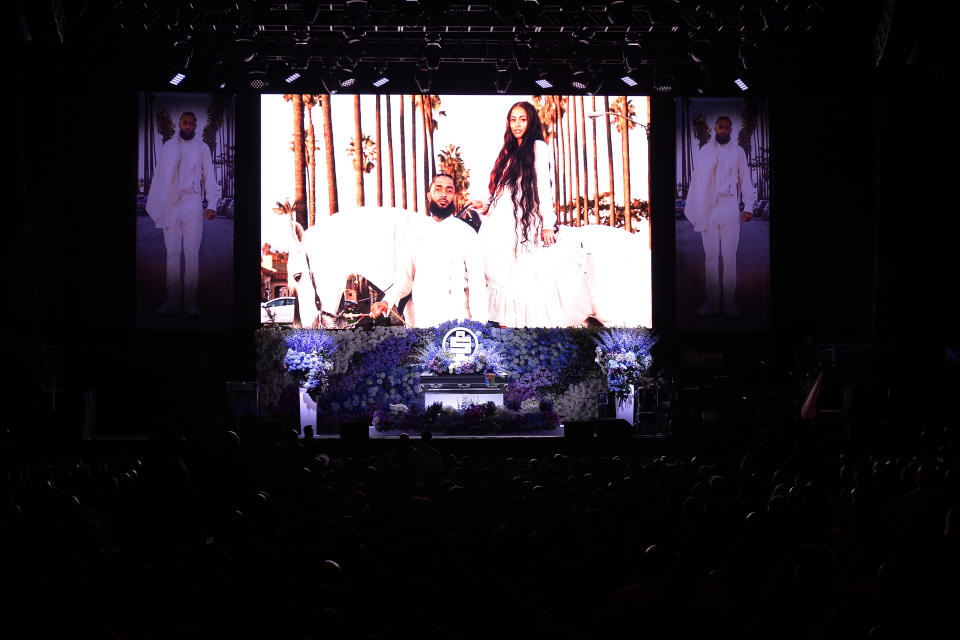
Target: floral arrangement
[435,359]
[623,356]
[309,359]
[469,419]
[371,370]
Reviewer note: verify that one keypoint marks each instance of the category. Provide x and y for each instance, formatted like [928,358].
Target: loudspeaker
[614,429]
[577,430]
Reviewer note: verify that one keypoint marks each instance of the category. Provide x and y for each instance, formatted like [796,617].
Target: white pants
[722,236]
[183,237]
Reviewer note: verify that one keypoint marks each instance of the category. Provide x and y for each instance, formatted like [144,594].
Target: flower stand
[308,411]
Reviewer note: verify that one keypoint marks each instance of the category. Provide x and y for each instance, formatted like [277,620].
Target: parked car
[762,209]
[225,208]
[141,205]
[278,310]
[678,207]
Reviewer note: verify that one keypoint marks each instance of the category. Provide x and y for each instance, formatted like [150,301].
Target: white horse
[374,242]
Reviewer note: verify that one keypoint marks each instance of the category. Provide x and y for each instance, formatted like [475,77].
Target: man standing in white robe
[444,269]
[721,178]
[183,179]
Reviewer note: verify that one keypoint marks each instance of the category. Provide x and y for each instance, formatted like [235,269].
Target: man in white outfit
[183,179]
[721,178]
[444,268]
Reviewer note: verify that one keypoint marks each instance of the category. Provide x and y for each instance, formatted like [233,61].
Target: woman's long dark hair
[517,163]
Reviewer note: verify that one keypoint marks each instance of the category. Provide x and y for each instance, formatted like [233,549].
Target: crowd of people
[228,535]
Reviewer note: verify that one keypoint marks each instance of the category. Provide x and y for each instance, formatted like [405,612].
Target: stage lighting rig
[503,77]
[432,50]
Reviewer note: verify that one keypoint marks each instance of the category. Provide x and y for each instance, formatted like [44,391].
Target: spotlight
[503,77]
[293,77]
[354,46]
[529,9]
[431,52]
[594,83]
[544,80]
[618,12]
[424,79]
[662,83]
[579,78]
[301,53]
[346,77]
[177,78]
[357,10]
[380,76]
[741,84]
[628,80]
[581,44]
[257,79]
[632,53]
[329,79]
[245,48]
[522,51]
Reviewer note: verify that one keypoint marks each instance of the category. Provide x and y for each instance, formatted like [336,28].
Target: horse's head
[313,282]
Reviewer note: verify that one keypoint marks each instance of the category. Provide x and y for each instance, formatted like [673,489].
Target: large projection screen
[310,174]
[722,214]
[185,211]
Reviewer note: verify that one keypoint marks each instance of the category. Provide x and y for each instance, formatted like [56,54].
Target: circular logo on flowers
[460,341]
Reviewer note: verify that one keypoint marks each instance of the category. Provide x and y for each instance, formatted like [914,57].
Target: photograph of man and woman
[523,211]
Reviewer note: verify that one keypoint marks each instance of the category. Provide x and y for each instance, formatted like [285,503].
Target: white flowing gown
[528,284]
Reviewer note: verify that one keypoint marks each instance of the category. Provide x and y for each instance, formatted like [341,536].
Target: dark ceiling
[677,46]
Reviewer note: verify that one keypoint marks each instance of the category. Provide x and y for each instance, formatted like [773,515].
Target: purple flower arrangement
[624,356]
[308,359]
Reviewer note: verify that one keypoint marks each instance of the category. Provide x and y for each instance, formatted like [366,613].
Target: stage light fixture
[329,79]
[618,12]
[530,9]
[301,53]
[245,49]
[293,77]
[177,78]
[594,83]
[662,83]
[503,77]
[257,79]
[633,55]
[380,76]
[423,78]
[432,50]
[628,80]
[579,78]
[522,52]
[354,46]
[741,84]
[346,77]
[544,80]
[357,10]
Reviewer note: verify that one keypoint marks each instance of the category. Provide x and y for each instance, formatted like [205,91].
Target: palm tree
[413,147]
[624,123]
[379,169]
[299,165]
[548,111]
[613,209]
[586,172]
[358,164]
[452,163]
[596,175]
[576,162]
[368,155]
[309,101]
[403,157]
[333,201]
[393,195]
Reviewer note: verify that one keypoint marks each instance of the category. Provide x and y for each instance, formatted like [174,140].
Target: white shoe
[707,310]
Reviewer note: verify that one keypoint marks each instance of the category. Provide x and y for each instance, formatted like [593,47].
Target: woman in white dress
[534,277]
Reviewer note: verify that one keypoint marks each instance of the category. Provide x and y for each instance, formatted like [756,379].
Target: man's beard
[440,212]
[187,135]
[723,139]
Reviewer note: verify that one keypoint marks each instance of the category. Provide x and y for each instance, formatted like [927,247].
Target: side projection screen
[722,214]
[521,210]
